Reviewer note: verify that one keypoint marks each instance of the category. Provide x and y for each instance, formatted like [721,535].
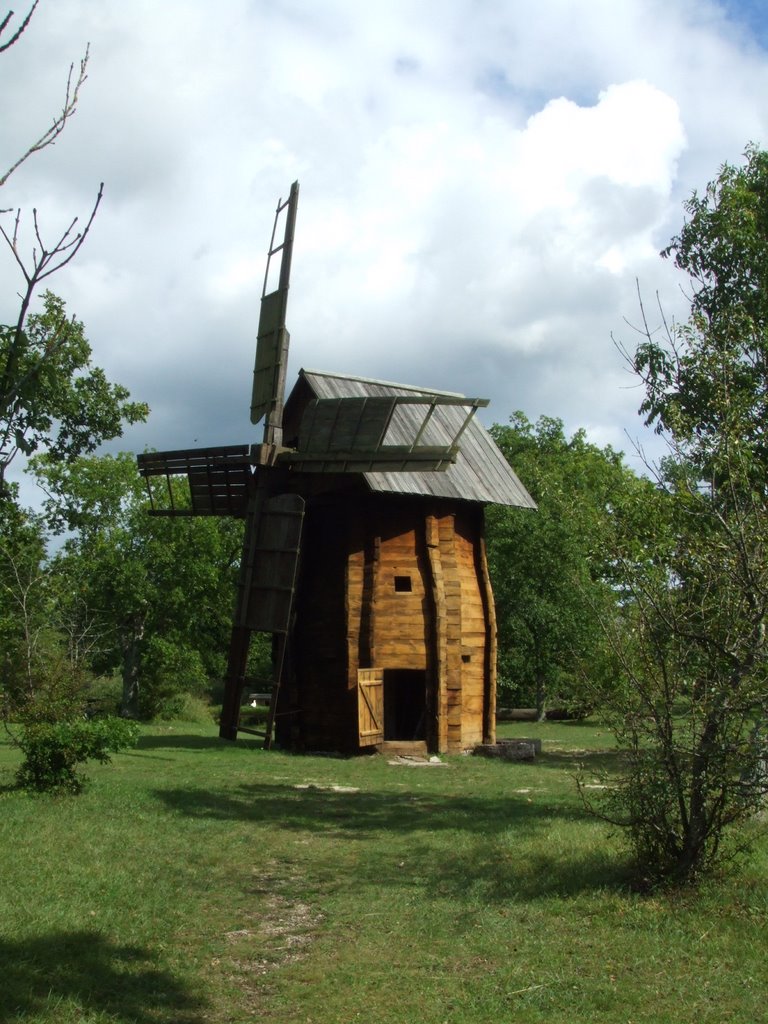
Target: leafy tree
[47,632]
[694,710]
[24,606]
[61,402]
[39,356]
[552,574]
[161,589]
[723,244]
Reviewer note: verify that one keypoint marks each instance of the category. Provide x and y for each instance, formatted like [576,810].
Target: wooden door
[370,706]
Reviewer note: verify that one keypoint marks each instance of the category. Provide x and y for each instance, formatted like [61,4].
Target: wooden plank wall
[453,631]
[491,648]
[400,618]
[357,602]
[472,644]
[437,658]
[351,614]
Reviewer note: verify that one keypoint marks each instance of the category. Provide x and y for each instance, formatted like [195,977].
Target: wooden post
[489,701]
[437,654]
[239,645]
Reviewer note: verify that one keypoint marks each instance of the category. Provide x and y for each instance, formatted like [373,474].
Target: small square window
[466,658]
[403,584]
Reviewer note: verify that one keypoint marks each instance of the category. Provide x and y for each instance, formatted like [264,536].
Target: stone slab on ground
[508,750]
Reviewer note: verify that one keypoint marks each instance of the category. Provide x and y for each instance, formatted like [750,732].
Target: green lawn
[196,881]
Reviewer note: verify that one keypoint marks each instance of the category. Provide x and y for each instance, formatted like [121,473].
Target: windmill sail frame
[273,339]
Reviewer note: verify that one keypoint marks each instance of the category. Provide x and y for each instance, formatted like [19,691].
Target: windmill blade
[273,338]
[219,479]
[268,572]
[396,433]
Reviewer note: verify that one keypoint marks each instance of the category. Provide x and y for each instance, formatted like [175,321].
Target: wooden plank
[181,460]
[489,709]
[218,479]
[345,424]
[273,562]
[403,610]
[453,616]
[388,459]
[354,582]
[370,706]
[273,339]
[233,682]
[373,584]
[436,633]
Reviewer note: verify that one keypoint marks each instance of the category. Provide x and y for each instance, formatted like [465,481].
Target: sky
[485,187]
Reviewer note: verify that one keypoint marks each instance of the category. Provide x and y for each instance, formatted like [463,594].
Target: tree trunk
[541,697]
[132,637]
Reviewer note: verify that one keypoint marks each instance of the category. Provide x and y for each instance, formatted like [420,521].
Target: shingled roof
[480,473]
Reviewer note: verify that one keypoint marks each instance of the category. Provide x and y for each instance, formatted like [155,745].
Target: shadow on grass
[85,972]
[488,847]
[594,762]
[188,741]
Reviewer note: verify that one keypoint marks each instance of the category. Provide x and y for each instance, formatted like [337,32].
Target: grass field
[195,881]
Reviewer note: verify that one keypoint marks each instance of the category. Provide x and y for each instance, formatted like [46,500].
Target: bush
[170,672]
[54,750]
[102,696]
[183,707]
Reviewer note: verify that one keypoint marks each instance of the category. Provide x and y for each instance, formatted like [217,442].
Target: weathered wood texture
[395,586]
[480,473]
[219,480]
[370,706]
[491,650]
[401,617]
[474,627]
[438,648]
[270,561]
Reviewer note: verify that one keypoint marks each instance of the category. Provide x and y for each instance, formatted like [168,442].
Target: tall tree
[24,606]
[696,659]
[163,589]
[551,572]
[61,403]
[23,361]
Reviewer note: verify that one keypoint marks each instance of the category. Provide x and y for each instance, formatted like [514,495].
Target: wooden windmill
[362,556]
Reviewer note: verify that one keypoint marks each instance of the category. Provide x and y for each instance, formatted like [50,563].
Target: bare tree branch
[16,35]
[49,136]
[44,263]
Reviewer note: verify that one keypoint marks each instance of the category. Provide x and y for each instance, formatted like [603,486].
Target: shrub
[53,751]
[102,696]
[183,707]
[170,671]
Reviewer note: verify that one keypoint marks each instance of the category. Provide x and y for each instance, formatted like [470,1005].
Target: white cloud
[481,187]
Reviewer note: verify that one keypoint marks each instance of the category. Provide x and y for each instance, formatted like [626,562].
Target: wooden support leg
[234,681]
[278,676]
